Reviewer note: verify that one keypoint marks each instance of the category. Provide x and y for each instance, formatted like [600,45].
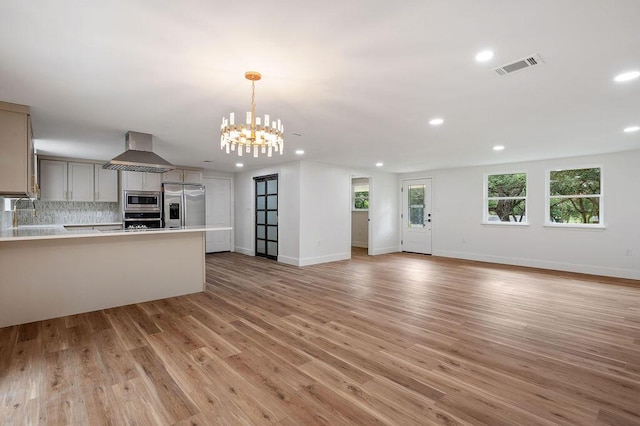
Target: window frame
[353,196]
[486,199]
[548,197]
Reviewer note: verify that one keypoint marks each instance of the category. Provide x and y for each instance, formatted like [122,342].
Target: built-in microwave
[142,201]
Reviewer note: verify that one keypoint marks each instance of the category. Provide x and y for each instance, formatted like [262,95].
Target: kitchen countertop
[74,225]
[48,232]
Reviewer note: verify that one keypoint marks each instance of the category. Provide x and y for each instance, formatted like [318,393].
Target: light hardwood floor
[395,339]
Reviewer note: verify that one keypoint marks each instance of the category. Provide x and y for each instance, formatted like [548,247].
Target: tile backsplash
[62,212]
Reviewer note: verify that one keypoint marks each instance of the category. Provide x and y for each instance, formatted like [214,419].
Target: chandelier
[257,135]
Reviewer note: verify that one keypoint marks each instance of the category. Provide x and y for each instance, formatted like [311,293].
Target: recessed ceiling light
[631,129]
[484,56]
[626,76]
[436,121]
[379,164]
[299,151]
[498,148]
[239,165]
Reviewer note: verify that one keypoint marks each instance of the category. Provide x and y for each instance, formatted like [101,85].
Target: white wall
[384,193]
[288,211]
[384,199]
[315,212]
[458,231]
[216,174]
[325,208]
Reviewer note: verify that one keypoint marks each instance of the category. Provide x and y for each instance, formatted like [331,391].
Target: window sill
[525,224]
[577,226]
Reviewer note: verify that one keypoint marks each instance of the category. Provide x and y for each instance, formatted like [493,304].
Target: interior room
[320,213]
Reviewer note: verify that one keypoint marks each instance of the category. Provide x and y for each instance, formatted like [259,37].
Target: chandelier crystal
[257,135]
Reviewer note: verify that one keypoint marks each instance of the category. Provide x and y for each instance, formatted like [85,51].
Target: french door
[416,215]
[266,220]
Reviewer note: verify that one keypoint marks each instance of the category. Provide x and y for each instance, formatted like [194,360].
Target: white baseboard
[386,250]
[289,260]
[544,264]
[324,259]
[361,244]
[242,250]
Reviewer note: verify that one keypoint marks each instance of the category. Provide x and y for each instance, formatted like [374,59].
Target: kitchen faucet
[15,210]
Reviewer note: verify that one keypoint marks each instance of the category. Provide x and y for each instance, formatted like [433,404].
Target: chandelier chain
[253,109]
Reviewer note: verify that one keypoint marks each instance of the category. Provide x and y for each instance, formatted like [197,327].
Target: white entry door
[416,215]
[218,213]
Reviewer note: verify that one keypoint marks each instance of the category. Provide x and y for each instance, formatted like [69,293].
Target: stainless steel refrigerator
[183,205]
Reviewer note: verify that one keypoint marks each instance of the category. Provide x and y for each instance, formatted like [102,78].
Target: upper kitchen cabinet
[53,180]
[106,184]
[77,181]
[141,181]
[17,159]
[183,176]
[80,182]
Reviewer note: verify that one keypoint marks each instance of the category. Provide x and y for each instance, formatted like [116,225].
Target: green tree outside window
[507,197]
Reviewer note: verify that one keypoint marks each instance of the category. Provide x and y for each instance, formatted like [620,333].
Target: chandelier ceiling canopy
[257,135]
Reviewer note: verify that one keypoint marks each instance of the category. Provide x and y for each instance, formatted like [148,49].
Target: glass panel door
[416,216]
[266,219]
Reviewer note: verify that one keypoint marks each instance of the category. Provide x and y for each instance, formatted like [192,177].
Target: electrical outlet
[628,252]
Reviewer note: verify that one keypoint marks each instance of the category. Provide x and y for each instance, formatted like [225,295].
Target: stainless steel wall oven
[142,210]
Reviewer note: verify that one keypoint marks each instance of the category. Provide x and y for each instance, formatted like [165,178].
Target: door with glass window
[266,190]
[416,215]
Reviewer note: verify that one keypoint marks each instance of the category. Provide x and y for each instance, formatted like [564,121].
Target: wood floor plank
[417,407]
[352,391]
[116,362]
[173,398]
[232,394]
[127,332]
[398,339]
[140,405]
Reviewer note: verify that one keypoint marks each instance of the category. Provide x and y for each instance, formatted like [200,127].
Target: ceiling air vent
[520,64]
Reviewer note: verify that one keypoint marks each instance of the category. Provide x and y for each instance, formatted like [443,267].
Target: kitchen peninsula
[50,272]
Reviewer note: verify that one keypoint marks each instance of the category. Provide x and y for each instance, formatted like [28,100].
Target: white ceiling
[359,80]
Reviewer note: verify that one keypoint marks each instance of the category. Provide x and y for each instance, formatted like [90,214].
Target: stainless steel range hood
[139,156]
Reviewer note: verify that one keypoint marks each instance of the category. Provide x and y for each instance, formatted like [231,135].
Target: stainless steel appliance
[139,156]
[142,210]
[142,201]
[183,205]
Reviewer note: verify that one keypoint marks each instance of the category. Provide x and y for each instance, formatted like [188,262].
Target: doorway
[360,204]
[416,216]
[266,220]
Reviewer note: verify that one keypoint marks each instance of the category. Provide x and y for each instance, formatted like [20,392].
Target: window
[574,196]
[506,198]
[361,195]
[416,205]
